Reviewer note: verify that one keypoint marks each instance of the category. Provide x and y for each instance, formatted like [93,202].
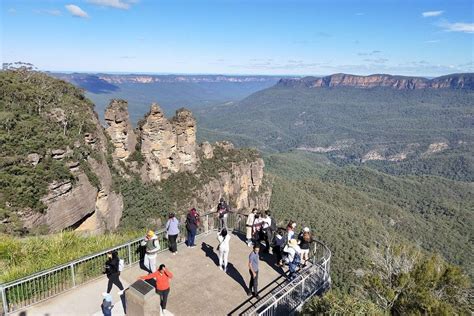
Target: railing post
[73,275]
[4,301]
[129,254]
[206,224]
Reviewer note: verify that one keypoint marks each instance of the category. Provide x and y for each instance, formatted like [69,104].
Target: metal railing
[30,290]
[309,281]
[35,288]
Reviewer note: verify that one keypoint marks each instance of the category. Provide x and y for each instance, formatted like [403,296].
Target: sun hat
[150,233]
[306,229]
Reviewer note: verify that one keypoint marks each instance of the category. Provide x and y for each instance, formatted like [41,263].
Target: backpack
[121,265]
[297,259]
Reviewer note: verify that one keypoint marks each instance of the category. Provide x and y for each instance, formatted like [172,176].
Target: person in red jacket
[162,277]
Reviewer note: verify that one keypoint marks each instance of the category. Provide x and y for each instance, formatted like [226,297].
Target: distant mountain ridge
[144,78]
[452,81]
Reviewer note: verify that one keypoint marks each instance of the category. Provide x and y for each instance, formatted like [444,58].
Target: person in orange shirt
[162,277]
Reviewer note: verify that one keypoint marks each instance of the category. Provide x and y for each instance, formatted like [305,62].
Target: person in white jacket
[223,237]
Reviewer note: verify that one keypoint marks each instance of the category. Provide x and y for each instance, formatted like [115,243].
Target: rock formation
[244,187]
[454,81]
[168,146]
[120,129]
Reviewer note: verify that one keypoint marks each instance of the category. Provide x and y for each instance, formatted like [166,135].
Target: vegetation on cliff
[38,115]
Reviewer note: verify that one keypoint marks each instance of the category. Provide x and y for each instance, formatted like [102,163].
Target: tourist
[172,231]
[222,211]
[257,229]
[290,230]
[279,243]
[192,223]
[223,237]
[253,269]
[107,305]
[305,240]
[266,234]
[152,246]
[293,253]
[162,277]
[249,226]
[112,270]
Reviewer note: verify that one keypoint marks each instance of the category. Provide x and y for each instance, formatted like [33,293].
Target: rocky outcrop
[67,204]
[168,146]
[207,150]
[120,129]
[454,81]
[83,204]
[244,187]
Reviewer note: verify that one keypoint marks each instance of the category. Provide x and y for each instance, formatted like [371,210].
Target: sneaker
[248,293]
[221,268]
[120,292]
[225,269]
[174,253]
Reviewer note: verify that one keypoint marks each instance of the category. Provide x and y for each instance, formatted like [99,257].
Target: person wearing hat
[222,211]
[249,226]
[172,231]
[293,252]
[305,241]
[152,246]
[107,305]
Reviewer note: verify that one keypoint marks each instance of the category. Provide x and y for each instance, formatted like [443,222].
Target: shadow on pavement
[235,274]
[209,251]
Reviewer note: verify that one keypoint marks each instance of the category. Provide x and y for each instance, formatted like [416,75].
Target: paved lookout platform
[199,287]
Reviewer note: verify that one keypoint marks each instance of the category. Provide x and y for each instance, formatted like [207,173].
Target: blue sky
[291,37]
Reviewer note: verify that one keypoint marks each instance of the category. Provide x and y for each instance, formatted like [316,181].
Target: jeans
[253,284]
[150,262]
[114,279]
[163,297]
[191,237]
[292,267]
[172,241]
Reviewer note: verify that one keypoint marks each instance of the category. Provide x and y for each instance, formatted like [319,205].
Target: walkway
[198,288]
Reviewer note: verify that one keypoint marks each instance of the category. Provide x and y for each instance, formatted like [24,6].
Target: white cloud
[458,27]
[432,41]
[76,11]
[118,4]
[428,14]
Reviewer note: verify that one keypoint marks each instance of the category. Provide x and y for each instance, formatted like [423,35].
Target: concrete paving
[199,287]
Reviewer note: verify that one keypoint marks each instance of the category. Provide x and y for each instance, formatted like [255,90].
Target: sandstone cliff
[168,146]
[454,81]
[120,129]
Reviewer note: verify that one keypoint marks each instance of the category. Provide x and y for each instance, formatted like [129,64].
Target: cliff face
[455,81]
[168,146]
[81,204]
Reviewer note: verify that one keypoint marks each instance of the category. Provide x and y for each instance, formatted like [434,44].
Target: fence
[41,286]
